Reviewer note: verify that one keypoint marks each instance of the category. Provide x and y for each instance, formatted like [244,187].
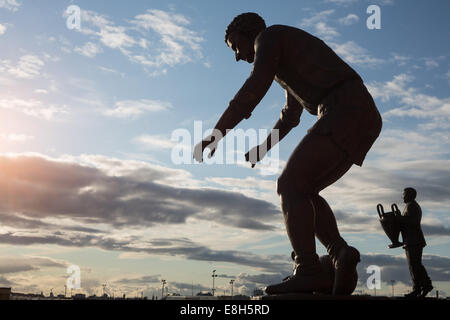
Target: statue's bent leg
[312,163]
[344,258]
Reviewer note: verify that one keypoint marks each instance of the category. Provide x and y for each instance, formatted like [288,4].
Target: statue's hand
[209,142]
[254,155]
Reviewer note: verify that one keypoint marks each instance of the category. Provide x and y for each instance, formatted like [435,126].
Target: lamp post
[162,291]
[232,282]
[214,275]
[392,284]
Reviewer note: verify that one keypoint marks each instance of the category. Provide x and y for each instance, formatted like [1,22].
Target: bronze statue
[414,242]
[316,80]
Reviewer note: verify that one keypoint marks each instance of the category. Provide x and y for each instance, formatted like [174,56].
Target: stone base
[308,296]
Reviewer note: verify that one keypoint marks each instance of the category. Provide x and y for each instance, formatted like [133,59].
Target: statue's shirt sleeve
[261,77]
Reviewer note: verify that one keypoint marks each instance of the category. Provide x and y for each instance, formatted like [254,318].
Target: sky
[89,118]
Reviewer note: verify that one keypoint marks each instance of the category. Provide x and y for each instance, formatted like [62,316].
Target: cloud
[135,108]
[70,190]
[354,54]
[34,108]
[96,201]
[111,71]
[41,91]
[317,17]
[400,59]
[17,264]
[396,267]
[393,267]
[17,138]
[327,32]
[143,280]
[154,142]
[89,50]
[377,183]
[177,44]
[99,27]
[11,5]
[28,67]
[319,22]
[182,247]
[5,282]
[363,223]
[431,63]
[412,102]
[349,51]
[187,288]
[349,19]
[2,29]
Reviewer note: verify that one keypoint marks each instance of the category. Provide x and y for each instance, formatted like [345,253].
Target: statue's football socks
[328,268]
[345,274]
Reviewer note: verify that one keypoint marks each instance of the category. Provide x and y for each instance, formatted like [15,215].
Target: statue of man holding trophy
[408,224]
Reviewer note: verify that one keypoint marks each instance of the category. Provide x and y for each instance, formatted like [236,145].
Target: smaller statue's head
[409,194]
[241,34]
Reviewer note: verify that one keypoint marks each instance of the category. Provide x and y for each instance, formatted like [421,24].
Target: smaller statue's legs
[421,281]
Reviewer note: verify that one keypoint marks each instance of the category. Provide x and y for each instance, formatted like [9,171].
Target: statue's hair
[249,24]
[411,191]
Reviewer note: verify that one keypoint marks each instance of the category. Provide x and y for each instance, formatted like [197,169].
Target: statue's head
[409,194]
[241,34]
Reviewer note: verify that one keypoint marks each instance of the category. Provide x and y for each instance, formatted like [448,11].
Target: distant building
[5,293]
[204,294]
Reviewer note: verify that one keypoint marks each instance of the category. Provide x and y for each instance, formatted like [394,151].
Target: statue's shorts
[348,115]
[348,124]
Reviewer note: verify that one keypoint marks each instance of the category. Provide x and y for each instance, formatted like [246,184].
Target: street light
[162,291]
[214,275]
[232,282]
[392,284]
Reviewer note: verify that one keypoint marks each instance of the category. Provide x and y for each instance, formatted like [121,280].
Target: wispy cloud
[136,108]
[28,67]
[319,24]
[2,29]
[13,137]
[355,54]
[106,31]
[11,5]
[89,50]
[154,142]
[349,19]
[411,102]
[16,264]
[177,43]
[34,108]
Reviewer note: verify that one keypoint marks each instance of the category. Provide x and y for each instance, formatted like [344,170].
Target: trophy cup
[390,224]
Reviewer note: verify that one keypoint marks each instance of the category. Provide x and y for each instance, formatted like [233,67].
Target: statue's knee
[287,184]
[281,185]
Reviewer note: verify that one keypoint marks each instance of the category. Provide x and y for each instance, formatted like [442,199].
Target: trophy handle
[380,210]
[395,209]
